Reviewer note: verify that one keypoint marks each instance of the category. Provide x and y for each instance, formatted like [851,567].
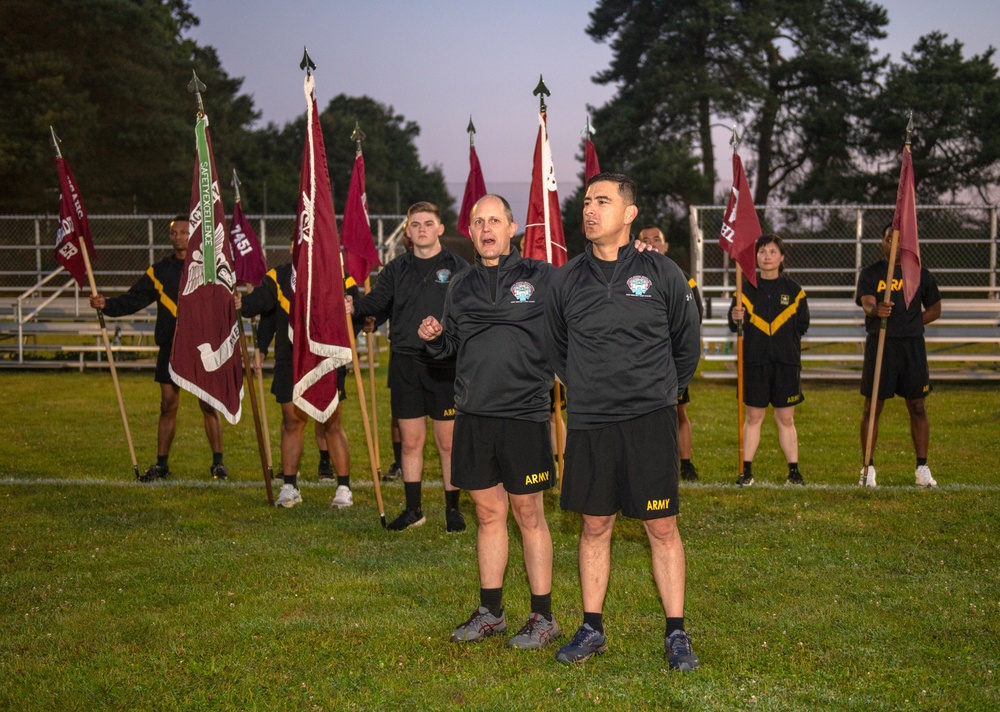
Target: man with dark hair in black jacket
[493,323]
[160,284]
[410,287]
[624,338]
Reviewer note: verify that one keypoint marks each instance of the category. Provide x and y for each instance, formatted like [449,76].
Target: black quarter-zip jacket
[498,339]
[405,296]
[623,348]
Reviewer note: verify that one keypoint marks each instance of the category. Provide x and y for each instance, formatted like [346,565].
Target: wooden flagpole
[560,450]
[248,376]
[739,367]
[364,419]
[104,335]
[882,328]
[372,340]
[259,383]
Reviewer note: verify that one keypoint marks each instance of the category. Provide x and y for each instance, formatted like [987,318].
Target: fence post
[697,248]
[263,235]
[38,251]
[993,251]
[149,237]
[859,229]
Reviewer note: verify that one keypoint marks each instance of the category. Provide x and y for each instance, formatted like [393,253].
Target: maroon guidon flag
[591,166]
[360,255]
[320,340]
[74,230]
[475,188]
[251,265]
[543,229]
[205,358]
[905,220]
[740,226]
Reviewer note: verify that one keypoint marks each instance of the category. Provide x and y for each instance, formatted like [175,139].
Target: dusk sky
[438,61]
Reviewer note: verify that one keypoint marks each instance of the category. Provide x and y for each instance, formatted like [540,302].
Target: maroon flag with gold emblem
[320,340]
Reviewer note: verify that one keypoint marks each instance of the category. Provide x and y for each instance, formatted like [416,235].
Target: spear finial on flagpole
[588,130]
[735,140]
[55,142]
[236,185]
[541,91]
[307,63]
[357,135]
[909,128]
[471,129]
[196,87]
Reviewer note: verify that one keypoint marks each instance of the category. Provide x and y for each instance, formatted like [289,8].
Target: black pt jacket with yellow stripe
[498,339]
[777,315]
[160,284]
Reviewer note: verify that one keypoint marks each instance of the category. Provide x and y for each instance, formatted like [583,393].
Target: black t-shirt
[902,322]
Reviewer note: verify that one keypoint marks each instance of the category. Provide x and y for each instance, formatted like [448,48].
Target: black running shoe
[689,472]
[585,643]
[795,478]
[454,521]
[744,480]
[325,472]
[680,655]
[394,473]
[219,472]
[154,472]
[408,518]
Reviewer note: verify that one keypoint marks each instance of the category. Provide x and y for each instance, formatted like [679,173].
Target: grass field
[190,594]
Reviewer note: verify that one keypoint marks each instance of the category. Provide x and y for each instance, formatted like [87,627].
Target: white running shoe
[867,480]
[288,496]
[924,479]
[343,498]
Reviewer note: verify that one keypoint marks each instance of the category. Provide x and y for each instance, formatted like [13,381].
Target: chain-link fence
[127,244]
[829,245]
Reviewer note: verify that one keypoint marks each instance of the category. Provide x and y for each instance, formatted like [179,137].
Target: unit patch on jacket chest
[639,286]
[522,291]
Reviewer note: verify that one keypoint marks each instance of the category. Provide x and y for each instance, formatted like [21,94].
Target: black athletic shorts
[162,374]
[486,452]
[684,397]
[282,385]
[629,466]
[904,368]
[418,389]
[777,384]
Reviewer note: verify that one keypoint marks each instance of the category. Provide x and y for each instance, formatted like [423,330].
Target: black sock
[344,481]
[793,467]
[324,458]
[451,498]
[921,461]
[292,480]
[748,468]
[594,620]
[397,452]
[492,599]
[674,624]
[216,458]
[161,460]
[542,605]
[412,490]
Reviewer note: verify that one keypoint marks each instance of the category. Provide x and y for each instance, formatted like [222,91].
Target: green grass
[197,595]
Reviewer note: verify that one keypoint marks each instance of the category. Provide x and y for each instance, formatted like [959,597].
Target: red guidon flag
[74,230]
[740,226]
[205,358]
[251,265]
[543,229]
[475,188]
[320,340]
[591,165]
[360,255]
[905,220]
